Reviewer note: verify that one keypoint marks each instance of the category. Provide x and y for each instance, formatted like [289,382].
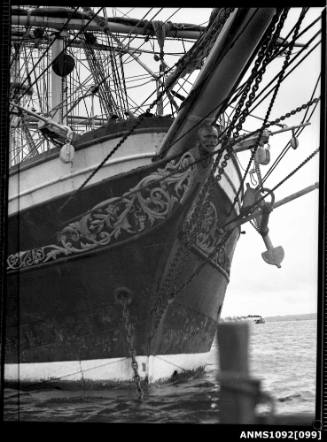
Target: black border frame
[231,431]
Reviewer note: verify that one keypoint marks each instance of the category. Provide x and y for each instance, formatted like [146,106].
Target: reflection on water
[282,356]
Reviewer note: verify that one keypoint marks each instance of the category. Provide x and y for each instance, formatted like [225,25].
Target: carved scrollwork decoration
[37,256]
[207,234]
[208,237]
[151,201]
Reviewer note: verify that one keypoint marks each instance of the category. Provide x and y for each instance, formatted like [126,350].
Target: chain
[101,21]
[250,209]
[285,64]
[263,57]
[293,112]
[189,234]
[264,124]
[130,341]
[296,169]
[284,117]
[256,76]
[193,53]
[183,252]
[279,81]
[199,46]
[203,202]
[266,50]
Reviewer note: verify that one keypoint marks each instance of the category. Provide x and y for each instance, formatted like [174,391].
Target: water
[283,356]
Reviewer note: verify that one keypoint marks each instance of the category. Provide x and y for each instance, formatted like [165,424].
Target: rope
[298,132]
[260,131]
[307,110]
[282,50]
[119,90]
[137,24]
[279,82]
[70,42]
[45,53]
[243,92]
[160,95]
[294,67]
[110,154]
[164,161]
[295,57]
[101,164]
[256,204]
[215,152]
[202,45]
[227,234]
[143,43]
[170,363]
[103,88]
[238,91]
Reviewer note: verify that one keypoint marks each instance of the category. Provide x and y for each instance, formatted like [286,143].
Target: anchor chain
[183,253]
[188,237]
[262,58]
[189,232]
[264,124]
[272,101]
[130,341]
[192,226]
[256,205]
[256,75]
[293,112]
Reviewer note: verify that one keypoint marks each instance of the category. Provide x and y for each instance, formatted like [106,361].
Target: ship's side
[120,250]
[115,273]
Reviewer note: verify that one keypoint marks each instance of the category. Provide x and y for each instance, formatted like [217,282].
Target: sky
[256,287]
[259,288]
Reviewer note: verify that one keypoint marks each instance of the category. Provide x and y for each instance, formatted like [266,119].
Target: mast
[42,17]
[58,84]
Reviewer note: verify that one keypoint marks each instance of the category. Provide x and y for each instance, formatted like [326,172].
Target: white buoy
[67,153]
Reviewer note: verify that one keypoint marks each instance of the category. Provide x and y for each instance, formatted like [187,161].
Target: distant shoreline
[295,317]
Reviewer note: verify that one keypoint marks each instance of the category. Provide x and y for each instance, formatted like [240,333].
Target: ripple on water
[285,363]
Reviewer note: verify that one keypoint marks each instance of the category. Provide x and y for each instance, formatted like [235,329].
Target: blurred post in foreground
[239,394]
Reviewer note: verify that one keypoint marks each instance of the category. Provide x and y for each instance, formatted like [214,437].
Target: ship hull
[66,318]
[155,368]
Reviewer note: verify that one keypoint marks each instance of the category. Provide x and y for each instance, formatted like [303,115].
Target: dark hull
[66,309]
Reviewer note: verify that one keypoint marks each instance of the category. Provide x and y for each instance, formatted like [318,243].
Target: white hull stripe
[80,172]
[159,367]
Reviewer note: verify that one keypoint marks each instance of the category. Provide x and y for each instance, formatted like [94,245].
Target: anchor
[273,255]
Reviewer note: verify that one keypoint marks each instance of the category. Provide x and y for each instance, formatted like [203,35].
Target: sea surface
[282,356]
